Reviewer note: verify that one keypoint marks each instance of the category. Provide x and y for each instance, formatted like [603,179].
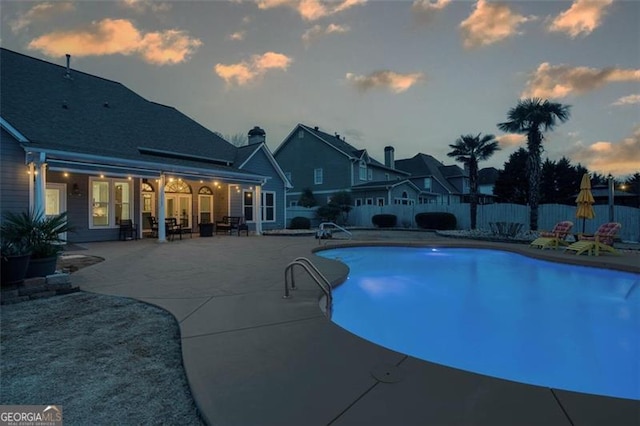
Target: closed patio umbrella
[585,200]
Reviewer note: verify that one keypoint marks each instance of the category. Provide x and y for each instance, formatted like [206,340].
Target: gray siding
[261,165]
[300,156]
[14,180]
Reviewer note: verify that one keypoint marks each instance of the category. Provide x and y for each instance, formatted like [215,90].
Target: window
[363,170]
[293,203]
[404,200]
[427,184]
[369,201]
[358,202]
[269,206]
[380,201]
[317,176]
[247,204]
[300,134]
[111,202]
[369,174]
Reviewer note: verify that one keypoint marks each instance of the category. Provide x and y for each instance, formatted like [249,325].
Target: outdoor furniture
[602,240]
[229,223]
[153,224]
[128,231]
[172,228]
[555,238]
[206,229]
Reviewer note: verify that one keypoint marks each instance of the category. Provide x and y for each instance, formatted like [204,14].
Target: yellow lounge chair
[555,238]
[602,240]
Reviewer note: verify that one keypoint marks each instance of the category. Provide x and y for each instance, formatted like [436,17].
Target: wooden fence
[549,215]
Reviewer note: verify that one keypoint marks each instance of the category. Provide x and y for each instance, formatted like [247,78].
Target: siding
[14,180]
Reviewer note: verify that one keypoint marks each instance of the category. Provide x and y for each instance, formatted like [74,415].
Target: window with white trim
[247,205]
[268,206]
[293,203]
[380,201]
[427,184]
[369,201]
[300,134]
[358,202]
[363,170]
[111,202]
[318,176]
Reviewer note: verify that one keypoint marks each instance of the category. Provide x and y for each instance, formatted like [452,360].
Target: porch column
[162,234]
[39,190]
[257,202]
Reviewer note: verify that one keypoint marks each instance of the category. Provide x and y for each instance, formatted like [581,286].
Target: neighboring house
[326,164]
[487,178]
[438,183]
[79,143]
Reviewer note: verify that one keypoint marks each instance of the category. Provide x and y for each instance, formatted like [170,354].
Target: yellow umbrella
[585,200]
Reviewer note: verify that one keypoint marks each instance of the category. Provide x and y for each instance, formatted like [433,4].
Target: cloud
[317,31]
[238,35]
[119,36]
[620,158]
[627,100]
[557,81]
[312,10]
[425,10]
[511,140]
[245,72]
[490,23]
[142,6]
[40,12]
[581,18]
[395,82]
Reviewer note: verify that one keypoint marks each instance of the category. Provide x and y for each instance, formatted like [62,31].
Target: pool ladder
[315,275]
[322,231]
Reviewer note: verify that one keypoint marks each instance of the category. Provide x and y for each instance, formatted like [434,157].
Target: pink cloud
[318,31]
[619,158]
[581,18]
[425,10]
[40,12]
[511,140]
[558,81]
[245,72]
[393,81]
[627,100]
[490,23]
[312,10]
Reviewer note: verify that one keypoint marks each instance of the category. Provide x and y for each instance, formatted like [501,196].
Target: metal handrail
[322,225]
[315,275]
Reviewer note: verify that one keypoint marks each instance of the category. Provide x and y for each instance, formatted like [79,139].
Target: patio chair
[554,238]
[128,231]
[153,224]
[602,240]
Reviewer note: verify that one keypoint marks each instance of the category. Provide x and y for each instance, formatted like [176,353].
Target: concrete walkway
[254,358]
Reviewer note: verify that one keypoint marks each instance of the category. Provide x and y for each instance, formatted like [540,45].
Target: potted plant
[41,235]
[14,260]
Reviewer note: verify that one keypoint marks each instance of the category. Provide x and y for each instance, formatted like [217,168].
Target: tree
[512,184]
[529,116]
[469,150]
[343,200]
[307,199]
[239,139]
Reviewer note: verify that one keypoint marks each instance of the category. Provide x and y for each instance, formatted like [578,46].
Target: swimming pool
[497,313]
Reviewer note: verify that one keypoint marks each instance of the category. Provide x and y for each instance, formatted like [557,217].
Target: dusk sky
[412,74]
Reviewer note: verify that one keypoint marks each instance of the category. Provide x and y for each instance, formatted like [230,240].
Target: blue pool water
[497,313]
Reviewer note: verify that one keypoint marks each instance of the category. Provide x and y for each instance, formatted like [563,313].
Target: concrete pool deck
[254,358]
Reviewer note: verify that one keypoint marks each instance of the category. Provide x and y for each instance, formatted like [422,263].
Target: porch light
[66,174]
[101,176]
[128,177]
[201,181]
[170,179]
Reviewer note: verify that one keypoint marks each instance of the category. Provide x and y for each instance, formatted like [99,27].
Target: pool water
[497,313]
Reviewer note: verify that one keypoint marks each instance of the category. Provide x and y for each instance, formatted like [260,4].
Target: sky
[415,75]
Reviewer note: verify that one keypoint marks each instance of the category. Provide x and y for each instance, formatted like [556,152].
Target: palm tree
[469,150]
[528,117]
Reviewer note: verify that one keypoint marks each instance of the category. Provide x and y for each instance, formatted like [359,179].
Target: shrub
[300,222]
[384,220]
[328,212]
[435,220]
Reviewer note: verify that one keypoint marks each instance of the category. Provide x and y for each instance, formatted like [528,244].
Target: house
[438,183]
[325,163]
[79,143]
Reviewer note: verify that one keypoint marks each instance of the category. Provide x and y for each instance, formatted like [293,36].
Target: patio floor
[254,358]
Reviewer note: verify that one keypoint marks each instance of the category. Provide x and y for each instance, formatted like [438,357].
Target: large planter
[42,267]
[206,229]
[14,269]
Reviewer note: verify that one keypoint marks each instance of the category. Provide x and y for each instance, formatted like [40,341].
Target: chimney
[67,74]
[389,161]
[256,135]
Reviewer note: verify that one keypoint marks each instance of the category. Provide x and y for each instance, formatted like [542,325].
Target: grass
[105,359]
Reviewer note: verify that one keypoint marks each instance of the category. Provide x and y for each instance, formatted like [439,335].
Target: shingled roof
[75,112]
[424,165]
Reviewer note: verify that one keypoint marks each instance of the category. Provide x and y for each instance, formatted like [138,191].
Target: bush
[300,222]
[384,220]
[328,212]
[439,221]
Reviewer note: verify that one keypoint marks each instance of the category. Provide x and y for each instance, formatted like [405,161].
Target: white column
[257,203]
[40,185]
[32,172]
[162,234]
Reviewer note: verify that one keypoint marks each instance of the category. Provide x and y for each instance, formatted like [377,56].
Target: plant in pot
[14,260]
[41,235]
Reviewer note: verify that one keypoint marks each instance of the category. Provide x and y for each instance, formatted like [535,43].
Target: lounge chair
[602,240]
[555,238]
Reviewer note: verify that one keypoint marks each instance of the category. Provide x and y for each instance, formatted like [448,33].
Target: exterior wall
[300,156]
[14,180]
[261,165]
[377,174]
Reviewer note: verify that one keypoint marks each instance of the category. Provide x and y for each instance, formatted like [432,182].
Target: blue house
[79,143]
